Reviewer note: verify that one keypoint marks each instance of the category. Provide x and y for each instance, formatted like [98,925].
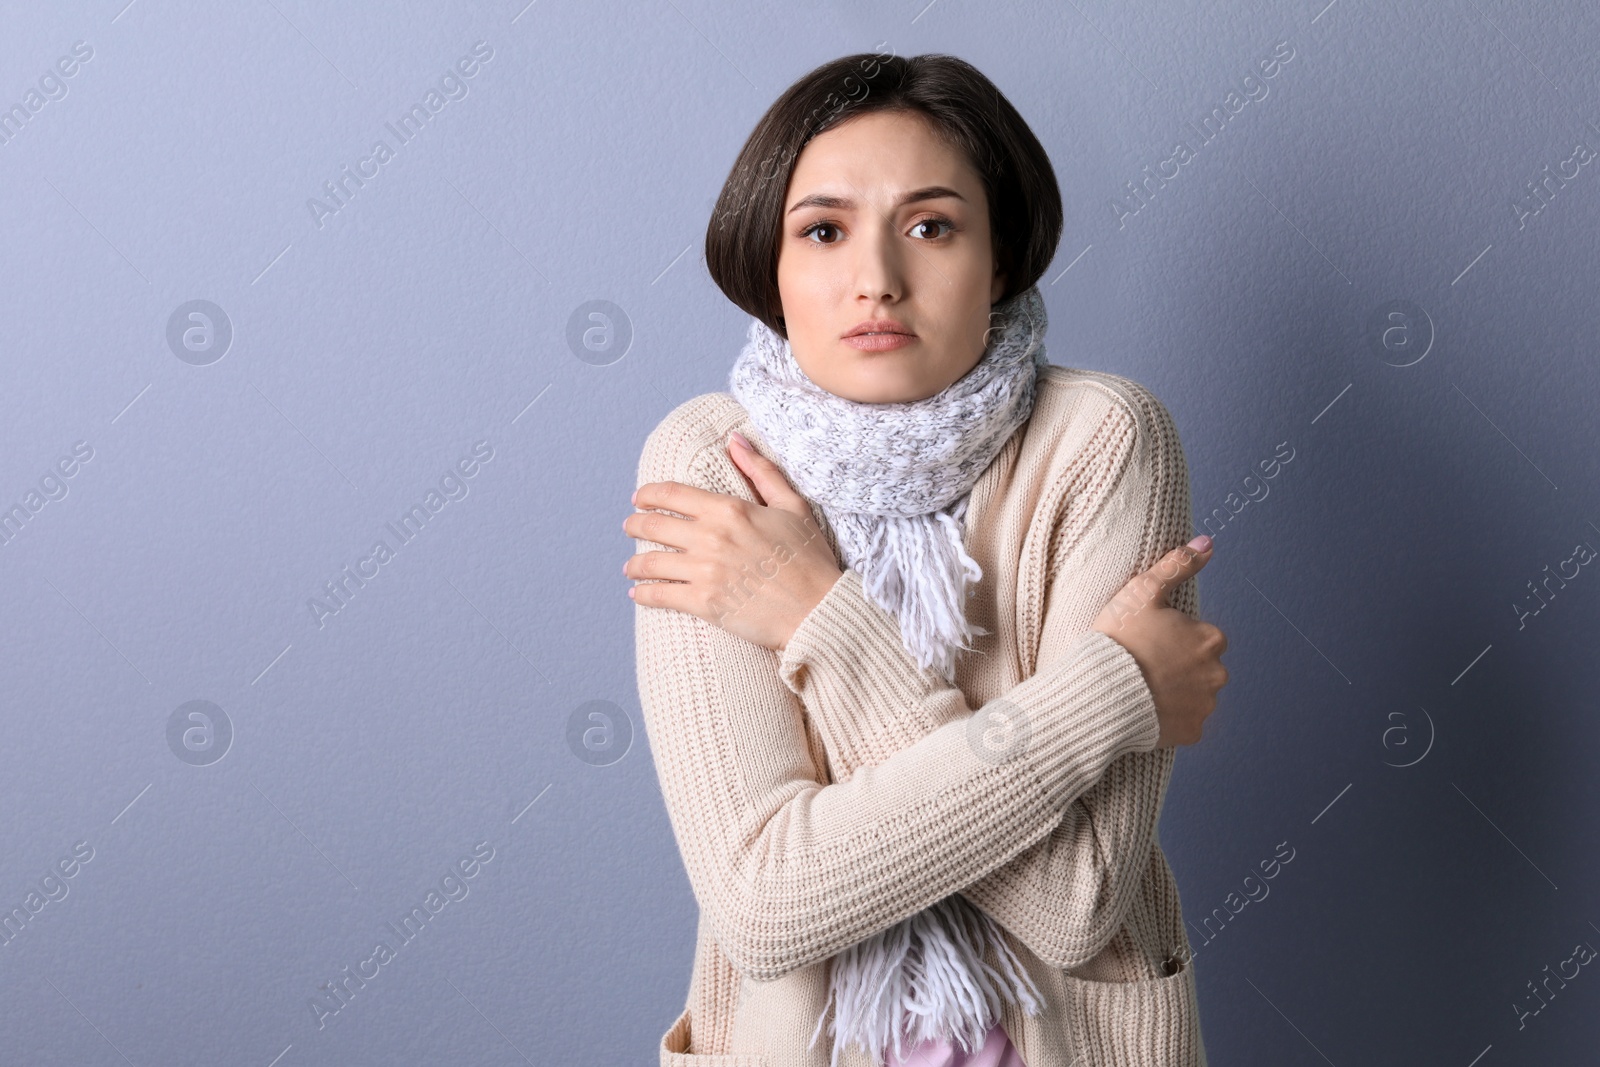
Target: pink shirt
[996,1051]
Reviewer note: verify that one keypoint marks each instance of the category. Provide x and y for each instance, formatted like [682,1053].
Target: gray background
[1425,750]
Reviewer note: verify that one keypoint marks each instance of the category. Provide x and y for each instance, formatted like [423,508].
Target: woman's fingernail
[1201,543]
[737,436]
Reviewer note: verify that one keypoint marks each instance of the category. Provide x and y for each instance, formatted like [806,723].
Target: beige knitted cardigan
[824,793]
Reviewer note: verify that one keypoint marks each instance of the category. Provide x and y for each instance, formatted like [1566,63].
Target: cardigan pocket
[1151,1022]
[675,1042]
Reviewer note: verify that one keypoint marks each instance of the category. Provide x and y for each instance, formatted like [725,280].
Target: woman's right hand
[1180,656]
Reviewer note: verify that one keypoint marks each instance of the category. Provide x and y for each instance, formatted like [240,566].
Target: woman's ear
[998,286]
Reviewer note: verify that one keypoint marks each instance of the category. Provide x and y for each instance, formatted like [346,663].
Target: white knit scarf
[894,481]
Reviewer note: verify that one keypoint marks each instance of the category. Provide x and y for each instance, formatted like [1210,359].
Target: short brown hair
[1025,217]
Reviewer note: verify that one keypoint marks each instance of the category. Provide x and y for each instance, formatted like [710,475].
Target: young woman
[917,628]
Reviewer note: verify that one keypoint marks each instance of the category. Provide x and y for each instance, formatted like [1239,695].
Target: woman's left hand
[755,570]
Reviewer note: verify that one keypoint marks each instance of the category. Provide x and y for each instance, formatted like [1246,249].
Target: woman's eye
[933,222]
[814,227]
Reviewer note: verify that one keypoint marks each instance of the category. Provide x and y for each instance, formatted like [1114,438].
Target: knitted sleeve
[788,870]
[1066,895]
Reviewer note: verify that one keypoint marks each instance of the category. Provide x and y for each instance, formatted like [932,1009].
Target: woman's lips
[879,342]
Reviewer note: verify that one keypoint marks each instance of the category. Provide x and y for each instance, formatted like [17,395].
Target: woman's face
[884,221]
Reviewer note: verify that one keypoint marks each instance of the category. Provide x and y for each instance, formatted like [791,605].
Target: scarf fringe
[919,570]
[925,977]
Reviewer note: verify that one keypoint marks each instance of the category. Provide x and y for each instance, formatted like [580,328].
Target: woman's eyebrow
[844,203]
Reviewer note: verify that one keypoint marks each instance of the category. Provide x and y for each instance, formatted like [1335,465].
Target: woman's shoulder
[1101,452]
[1077,408]
[1068,390]
[1089,432]
[1077,399]
[686,432]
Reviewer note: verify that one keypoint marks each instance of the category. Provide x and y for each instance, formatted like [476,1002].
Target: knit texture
[894,480]
[821,795]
